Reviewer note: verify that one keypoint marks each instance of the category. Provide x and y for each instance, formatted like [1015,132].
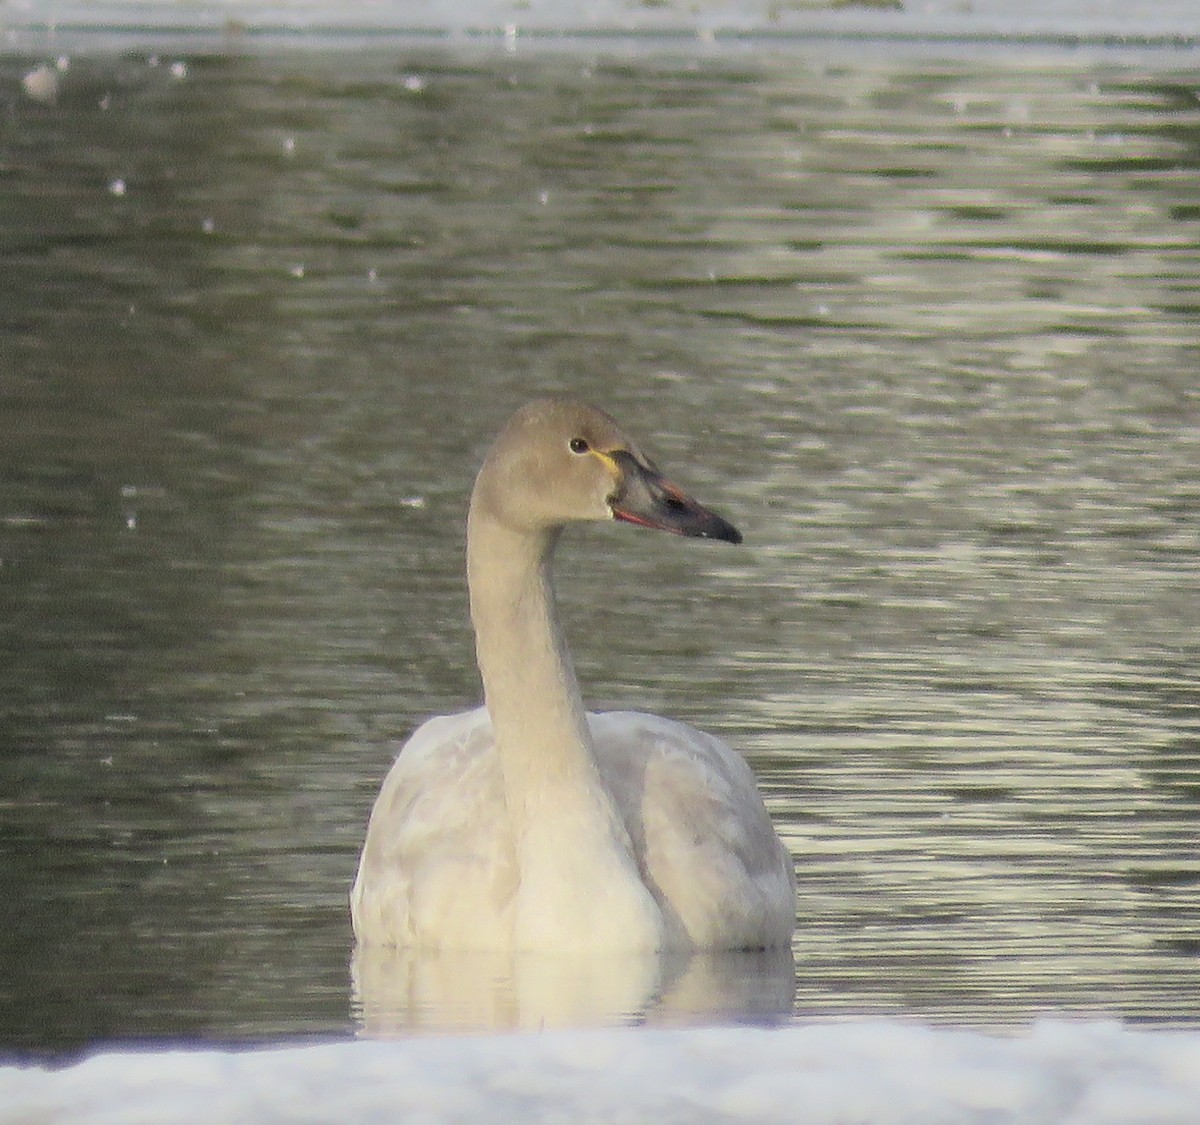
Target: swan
[529,825]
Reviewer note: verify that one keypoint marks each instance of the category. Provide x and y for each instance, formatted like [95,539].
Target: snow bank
[877,1072]
[1119,19]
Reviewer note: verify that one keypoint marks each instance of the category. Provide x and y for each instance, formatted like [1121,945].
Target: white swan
[530,825]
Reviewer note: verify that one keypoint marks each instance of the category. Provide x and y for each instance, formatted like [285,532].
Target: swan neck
[580,887]
[529,681]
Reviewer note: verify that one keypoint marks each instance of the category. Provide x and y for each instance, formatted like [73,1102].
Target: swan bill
[644,497]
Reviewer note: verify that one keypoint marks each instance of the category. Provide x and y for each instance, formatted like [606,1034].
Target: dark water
[926,329]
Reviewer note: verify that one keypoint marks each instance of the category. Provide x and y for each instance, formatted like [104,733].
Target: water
[924,327]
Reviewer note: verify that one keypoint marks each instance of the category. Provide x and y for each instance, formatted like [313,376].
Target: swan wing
[437,867]
[701,833]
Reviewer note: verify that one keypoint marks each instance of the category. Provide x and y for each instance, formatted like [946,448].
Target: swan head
[559,461]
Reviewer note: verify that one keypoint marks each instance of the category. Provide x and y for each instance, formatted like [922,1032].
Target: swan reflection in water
[401,991]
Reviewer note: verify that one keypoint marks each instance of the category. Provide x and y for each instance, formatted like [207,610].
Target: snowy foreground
[874,1072]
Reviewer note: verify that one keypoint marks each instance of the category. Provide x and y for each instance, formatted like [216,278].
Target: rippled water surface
[926,330]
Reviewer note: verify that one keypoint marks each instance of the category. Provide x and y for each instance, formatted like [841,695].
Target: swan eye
[578,445]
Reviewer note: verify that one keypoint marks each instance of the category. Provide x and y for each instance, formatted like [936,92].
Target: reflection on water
[400,992]
[925,329]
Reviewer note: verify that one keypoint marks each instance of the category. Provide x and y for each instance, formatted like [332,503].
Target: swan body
[529,824]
